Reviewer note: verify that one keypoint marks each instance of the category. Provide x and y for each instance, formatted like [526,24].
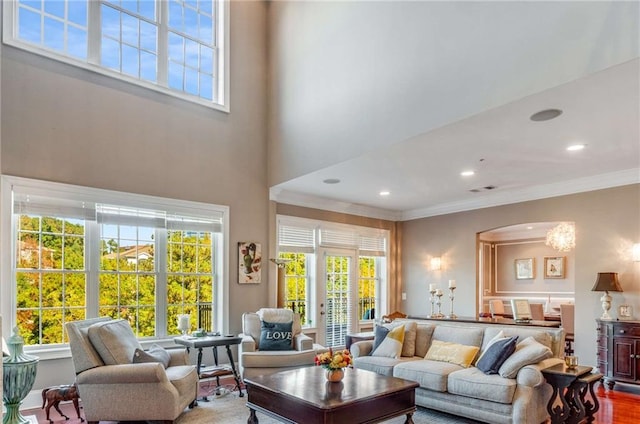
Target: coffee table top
[309,384]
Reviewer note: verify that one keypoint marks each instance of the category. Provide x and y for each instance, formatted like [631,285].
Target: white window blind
[338,238]
[296,239]
[372,246]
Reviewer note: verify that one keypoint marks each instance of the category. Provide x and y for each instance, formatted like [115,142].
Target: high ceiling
[520,158]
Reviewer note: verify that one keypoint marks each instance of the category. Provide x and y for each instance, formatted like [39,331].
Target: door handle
[321,312]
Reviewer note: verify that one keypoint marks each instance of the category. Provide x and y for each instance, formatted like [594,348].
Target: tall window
[177,46]
[297,283]
[76,257]
[367,287]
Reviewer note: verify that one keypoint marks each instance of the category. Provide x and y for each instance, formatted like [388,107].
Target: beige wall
[607,225]
[68,125]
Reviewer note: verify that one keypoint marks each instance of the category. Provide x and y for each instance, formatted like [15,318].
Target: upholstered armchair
[115,386]
[253,360]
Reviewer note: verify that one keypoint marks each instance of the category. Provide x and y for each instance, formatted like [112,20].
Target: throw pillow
[528,352]
[391,346]
[495,338]
[454,353]
[379,335]
[409,343]
[276,336]
[496,354]
[155,353]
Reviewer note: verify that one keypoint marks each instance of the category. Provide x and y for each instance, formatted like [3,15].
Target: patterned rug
[232,409]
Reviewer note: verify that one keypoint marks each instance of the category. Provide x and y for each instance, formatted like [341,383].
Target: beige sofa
[468,392]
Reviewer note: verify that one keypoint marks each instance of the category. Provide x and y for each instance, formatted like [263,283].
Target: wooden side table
[570,389]
[350,339]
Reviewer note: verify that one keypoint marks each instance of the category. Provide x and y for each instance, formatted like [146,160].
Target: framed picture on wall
[525,269]
[554,267]
[249,262]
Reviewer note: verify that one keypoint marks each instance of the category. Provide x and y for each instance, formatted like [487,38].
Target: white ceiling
[523,159]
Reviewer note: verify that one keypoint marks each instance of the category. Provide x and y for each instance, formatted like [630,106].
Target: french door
[337,294]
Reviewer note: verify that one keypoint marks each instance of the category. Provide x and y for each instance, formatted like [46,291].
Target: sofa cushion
[528,351]
[473,383]
[468,336]
[409,343]
[378,364]
[486,344]
[156,353]
[496,354]
[430,375]
[424,333]
[540,336]
[114,341]
[276,336]
[454,353]
[391,346]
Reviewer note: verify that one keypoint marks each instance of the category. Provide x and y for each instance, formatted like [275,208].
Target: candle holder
[439,303]
[183,323]
[432,299]
[451,296]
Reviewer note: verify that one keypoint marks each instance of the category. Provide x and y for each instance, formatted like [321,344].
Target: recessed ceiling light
[385,193]
[467,173]
[331,181]
[576,147]
[545,115]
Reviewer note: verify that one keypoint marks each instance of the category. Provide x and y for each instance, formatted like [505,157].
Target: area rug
[232,409]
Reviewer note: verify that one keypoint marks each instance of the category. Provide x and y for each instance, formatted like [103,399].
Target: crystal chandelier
[562,237]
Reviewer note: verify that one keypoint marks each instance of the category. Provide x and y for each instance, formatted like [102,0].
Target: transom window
[82,253]
[174,46]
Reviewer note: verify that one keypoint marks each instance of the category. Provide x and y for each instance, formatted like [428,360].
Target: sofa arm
[531,376]
[178,356]
[148,372]
[302,342]
[247,344]
[362,348]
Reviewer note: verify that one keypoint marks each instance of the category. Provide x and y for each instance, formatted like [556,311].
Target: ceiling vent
[481,189]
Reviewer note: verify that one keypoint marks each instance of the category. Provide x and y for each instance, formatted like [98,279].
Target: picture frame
[625,312]
[521,309]
[249,262]
[554,266]
[525,268]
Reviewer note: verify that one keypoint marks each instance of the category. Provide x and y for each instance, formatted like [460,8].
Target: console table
[618,353]
[213,342]
[501,321]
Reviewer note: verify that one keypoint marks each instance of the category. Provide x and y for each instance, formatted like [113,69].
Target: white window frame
[222,23]
[71,192]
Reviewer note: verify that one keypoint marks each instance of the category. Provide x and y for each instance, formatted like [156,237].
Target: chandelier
[562,237]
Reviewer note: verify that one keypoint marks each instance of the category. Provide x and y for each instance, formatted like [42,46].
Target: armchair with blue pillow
[272,340]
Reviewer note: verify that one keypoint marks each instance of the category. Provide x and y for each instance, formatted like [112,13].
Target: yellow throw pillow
[454,353]
[391,346]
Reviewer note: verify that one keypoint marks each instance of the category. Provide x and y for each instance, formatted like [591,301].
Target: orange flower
[334,360]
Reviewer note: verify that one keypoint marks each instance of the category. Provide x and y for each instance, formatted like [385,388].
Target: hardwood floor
[620,406]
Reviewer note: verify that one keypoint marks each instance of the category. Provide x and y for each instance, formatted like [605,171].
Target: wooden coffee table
[303,395]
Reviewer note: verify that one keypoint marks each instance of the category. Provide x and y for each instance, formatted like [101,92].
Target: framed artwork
[249,262]
[554,267]
[521,309]
[525,269]
[625,312]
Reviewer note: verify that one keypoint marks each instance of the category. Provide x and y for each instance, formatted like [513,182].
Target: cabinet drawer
[626,330]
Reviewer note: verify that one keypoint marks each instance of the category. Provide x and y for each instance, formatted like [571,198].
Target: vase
[19,374]
[335,376]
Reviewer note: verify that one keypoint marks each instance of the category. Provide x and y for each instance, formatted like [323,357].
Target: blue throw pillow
[276,336]
[496,354]
[379,335]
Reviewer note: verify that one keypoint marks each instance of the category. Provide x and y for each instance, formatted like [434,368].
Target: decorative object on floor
[452,287]
[525,268]
[52,396]
[562,237]
[18,376]
[184,323]
[249,262]
[334,363]
[606,282]
[554,267]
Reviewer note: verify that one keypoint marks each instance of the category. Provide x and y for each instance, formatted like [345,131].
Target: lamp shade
[606,282]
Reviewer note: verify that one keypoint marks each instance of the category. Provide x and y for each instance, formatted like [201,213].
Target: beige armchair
[113,388]
[253,361]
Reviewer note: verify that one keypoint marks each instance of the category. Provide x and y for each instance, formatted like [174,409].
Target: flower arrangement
[334,360]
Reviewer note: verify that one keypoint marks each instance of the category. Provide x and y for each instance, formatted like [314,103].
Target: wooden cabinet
[618,354]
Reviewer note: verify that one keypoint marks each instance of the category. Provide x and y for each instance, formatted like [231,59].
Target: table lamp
[606,282]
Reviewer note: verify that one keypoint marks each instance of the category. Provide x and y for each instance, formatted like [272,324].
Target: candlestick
[439,303]
[451,289]
[452,284]
[432,298]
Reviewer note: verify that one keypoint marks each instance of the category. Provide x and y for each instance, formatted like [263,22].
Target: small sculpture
[52,396]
